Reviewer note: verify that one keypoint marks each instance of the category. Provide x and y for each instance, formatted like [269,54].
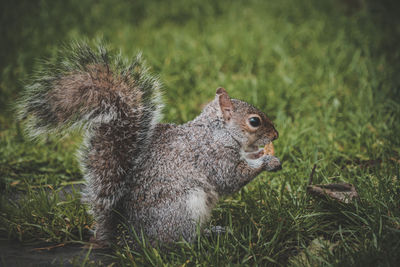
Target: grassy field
[326,72]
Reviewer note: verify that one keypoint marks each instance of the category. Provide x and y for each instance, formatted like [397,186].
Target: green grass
[325,72]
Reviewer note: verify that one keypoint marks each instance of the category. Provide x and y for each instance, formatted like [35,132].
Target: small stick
[312,175]
[48,248]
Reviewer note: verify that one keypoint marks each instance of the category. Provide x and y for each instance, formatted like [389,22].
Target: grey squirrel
[163,178]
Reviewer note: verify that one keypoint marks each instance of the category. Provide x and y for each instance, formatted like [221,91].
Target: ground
[326,72]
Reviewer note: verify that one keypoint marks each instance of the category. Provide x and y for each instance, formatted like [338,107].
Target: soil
[13,253]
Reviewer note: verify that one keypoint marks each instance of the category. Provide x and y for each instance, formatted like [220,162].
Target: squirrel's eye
[254,121]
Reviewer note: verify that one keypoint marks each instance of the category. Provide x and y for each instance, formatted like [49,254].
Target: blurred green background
[327,73]
[197,46]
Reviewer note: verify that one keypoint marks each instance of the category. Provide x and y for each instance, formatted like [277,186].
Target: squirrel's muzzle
[275,135]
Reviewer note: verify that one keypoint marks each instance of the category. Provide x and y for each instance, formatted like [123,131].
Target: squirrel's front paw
[271,163]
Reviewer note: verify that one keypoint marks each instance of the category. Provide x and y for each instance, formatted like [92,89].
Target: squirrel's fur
[163,179]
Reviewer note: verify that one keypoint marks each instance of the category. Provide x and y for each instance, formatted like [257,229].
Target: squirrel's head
[248,125]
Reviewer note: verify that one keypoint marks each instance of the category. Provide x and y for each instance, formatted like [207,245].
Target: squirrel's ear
[225,103]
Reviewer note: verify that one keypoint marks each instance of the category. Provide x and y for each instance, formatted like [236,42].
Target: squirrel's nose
[275,135]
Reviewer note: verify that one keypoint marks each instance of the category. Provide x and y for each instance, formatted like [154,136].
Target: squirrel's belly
[200,204]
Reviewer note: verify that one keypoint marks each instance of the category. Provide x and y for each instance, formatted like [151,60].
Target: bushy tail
[115,101]
[85,87]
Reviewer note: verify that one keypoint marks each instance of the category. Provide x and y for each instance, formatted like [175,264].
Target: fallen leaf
[314,252]
[15,183]
[342,192]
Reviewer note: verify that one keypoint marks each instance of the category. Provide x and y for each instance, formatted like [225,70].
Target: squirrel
[163,178]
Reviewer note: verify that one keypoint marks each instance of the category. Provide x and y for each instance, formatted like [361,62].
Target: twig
[312,175]
[49,248]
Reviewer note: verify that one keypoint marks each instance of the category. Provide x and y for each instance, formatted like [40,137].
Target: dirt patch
[13,253]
